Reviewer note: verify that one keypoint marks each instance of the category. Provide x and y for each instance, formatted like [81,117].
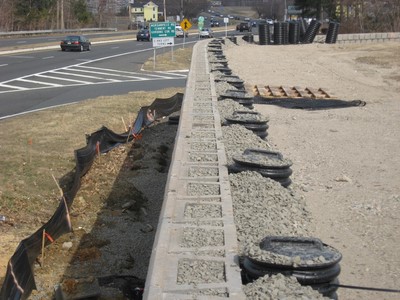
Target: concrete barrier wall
[368,37]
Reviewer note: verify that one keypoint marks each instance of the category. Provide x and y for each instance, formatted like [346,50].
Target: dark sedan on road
[143,35]
[75,42]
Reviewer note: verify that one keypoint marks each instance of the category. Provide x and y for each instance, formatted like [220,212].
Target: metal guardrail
[35,32]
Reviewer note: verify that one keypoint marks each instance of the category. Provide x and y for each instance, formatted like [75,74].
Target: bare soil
[345,161]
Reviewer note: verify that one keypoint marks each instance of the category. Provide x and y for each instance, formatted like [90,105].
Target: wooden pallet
[291,92]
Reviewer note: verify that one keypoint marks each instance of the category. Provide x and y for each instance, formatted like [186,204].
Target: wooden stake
[129,133]
[43,240]
[29,149]
[98,149]
[58,186]
[123,121]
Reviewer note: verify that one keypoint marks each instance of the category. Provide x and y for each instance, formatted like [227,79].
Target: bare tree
[186,8]
[6,15]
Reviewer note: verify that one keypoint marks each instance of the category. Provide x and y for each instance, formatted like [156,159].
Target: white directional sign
[162,42]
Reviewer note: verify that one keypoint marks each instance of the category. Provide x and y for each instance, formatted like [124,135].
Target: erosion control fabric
[19,280]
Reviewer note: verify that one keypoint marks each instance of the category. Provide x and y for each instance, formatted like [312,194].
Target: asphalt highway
[39,76]
[39,79]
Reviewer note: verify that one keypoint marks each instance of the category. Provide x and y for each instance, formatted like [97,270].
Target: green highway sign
[162,29]
[200,23]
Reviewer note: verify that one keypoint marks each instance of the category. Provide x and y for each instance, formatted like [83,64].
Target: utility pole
[58,15]
[62,15]
[285,16]
[165,12]
[181,10]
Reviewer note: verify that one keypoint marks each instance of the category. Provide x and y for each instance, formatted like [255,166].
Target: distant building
[143,12]
[150,11]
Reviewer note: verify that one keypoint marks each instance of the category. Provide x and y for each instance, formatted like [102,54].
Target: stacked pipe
[264,34]
[313,263]
[240,96]
[311,32]
[294,32]
[268,163]
[281,33]
[251,120]
[332,34]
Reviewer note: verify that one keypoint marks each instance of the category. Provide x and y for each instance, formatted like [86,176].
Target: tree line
[355,16]
[17,15]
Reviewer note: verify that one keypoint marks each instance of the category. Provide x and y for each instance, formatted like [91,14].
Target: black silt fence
[332,34]
[311,32]
[19,280]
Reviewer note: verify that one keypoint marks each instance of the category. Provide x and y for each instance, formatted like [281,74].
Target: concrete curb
[169,254]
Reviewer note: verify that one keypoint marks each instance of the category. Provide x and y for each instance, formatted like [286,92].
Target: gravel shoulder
[345,161]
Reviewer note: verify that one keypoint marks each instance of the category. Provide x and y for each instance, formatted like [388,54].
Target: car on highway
[270,21]
[75,42]
[206,33]
[244,26]
[214,23]
[143,35]
[179,32]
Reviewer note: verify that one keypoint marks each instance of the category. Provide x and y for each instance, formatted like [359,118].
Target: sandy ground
[346,161]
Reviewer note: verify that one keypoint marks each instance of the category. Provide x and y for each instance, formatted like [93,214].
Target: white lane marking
[75,75]
[48,57]
[114,47]
[21,56]
[39,82]
[175,73]
[3,65]
[101,73]
[5,83]
[12,87]
[82,69]
[21,42]
[111,70]
[64,79]
[35,110]
[116,71]
[72,85]
[127,72]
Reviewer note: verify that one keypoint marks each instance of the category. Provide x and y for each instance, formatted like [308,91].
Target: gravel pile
[279,287]
[262,207]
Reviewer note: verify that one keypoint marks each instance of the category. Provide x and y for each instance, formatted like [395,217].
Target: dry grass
[246,11]
[40,145]
[178,58]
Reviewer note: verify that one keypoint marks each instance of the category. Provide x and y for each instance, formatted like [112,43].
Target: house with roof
[143,12]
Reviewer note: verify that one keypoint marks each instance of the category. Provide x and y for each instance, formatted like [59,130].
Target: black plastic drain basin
[309,276]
